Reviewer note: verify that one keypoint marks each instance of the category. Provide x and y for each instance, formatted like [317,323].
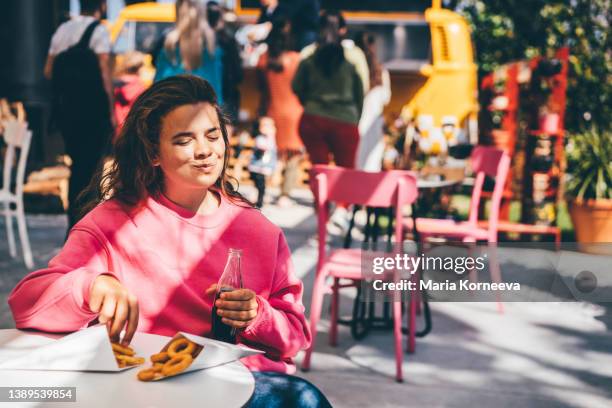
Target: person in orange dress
[276,69]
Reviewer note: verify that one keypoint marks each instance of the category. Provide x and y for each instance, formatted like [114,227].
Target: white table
[229,385]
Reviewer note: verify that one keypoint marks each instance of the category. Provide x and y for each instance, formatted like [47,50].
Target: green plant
[589,160]
[510,30]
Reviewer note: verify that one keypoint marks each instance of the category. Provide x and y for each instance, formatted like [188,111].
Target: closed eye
[213,134]
[182,138]
[182,141]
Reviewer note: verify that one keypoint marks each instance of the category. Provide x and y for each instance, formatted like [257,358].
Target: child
[149,253]
[263,160]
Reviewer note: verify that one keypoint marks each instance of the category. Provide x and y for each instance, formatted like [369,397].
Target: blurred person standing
[303,15]
[352,53]
[275,71]
[331,91]
[191,47]
[371,143]
[232,63]
[79,65]
[128,85]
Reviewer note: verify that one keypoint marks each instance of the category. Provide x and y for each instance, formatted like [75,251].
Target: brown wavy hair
[367,43]
[279,42]
[131,177]
[192,32]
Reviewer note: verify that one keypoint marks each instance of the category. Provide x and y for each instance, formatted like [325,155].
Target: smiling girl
[153,245]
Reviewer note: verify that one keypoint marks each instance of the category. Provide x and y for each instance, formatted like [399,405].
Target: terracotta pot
[592,221]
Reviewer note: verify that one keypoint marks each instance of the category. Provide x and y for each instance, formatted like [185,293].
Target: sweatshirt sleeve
[280,328]
[55,299]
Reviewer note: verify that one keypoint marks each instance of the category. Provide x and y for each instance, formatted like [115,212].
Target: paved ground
[533,355]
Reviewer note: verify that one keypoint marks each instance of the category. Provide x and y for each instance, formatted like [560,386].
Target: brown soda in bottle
[231,279]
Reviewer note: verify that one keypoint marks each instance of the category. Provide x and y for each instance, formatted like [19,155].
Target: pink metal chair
[335,184]
[486,161]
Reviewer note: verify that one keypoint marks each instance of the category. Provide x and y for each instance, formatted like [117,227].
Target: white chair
[17,137]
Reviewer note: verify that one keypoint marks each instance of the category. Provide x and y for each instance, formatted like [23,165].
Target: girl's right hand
[116,307]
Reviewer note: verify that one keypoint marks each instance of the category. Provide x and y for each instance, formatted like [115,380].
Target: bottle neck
[232,276]
[233,263]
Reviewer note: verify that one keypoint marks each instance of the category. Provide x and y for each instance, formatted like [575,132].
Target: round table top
[433,183]
[229,385]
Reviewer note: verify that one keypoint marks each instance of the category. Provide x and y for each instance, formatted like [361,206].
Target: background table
[364,319]
[229,385]
[428,183]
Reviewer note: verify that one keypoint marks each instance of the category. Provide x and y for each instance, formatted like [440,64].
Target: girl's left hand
[237,308]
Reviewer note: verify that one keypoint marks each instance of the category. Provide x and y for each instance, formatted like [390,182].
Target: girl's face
[191,147]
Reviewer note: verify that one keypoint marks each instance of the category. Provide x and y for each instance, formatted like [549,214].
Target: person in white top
[371,143]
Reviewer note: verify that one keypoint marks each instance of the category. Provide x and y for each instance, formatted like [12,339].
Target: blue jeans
[276,390]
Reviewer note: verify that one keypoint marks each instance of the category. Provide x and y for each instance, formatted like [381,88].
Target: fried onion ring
[180,346]
[125,350]
[148,374]
[129,360]
[177,364]
[160,357]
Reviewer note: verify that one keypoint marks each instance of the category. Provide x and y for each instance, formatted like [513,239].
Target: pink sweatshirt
[167,257]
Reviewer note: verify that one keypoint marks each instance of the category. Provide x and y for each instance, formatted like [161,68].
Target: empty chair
[17,138]
[485,161]
[335,184]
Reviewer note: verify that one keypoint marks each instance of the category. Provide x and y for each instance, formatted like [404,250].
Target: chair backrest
[17,137]
[394,188]
[492,162]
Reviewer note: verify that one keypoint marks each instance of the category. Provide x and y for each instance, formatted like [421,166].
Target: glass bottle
[231,279]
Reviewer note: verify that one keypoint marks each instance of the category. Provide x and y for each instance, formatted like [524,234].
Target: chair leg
[318,291]
[412,306]
[418,294]
[397,333]
[471,273]
[23,237]
[496,276]
[500,304]
[335,305]
[9,229]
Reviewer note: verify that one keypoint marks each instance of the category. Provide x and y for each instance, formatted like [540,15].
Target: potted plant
[589,187]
